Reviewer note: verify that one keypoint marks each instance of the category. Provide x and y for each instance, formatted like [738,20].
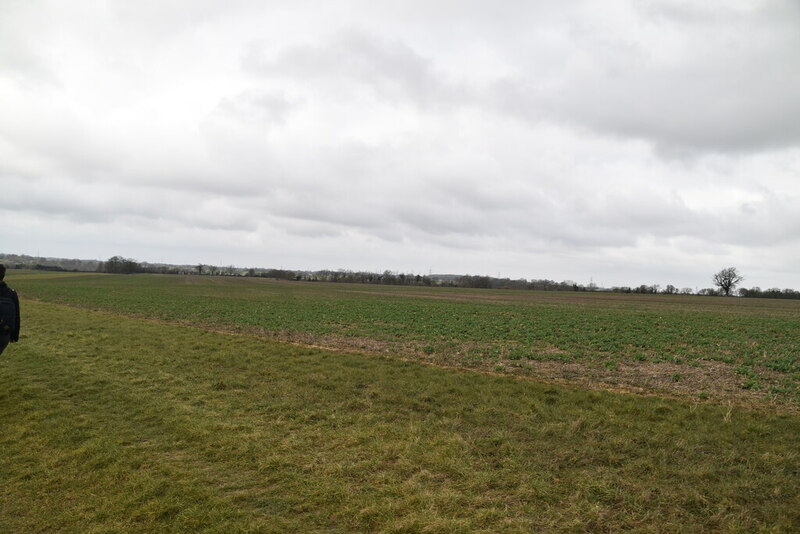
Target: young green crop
[759,339]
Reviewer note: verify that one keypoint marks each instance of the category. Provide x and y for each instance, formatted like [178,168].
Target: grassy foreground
[115,424]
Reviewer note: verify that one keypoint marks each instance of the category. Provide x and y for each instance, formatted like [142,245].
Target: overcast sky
[625,142]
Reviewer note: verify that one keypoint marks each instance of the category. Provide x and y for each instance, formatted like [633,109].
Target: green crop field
[738,350]
[207,404]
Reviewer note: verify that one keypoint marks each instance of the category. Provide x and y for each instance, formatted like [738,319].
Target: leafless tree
[727,279]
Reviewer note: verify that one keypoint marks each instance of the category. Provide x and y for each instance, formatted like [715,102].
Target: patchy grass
[116,424]
[739,350]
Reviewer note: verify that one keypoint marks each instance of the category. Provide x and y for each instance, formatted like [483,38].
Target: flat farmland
[204,404]
[724,349]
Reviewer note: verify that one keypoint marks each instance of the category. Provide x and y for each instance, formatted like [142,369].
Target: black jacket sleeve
[15,334]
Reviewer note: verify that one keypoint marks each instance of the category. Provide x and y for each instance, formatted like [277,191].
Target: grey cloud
[603,219]
[467,203]
[771,222]
[441,218]
[263,108]
[692,80]
[336,210]
[48,139]
[392,69]
[729,81]
[26,67]
[86,203]
[20,60]
[169,20]
[306,228]
[637,212]
[472,205]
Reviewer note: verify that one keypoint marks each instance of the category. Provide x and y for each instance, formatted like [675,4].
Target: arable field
[175,404]
[724,349]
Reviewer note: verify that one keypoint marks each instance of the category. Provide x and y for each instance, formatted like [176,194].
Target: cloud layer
[633,142]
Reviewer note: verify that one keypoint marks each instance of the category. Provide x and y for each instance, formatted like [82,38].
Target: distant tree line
[23,261]
[725,280]
[406,279]
[120,265]
[350,277]
[56,268]
[772,293]
[654,289]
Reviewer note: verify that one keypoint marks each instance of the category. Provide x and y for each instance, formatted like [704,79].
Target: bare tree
[727,279]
